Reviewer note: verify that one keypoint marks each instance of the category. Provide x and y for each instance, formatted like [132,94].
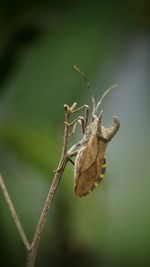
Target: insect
[90,162]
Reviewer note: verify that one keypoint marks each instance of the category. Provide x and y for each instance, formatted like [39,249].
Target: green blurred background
[110,42]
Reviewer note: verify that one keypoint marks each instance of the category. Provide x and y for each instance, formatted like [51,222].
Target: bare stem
[14,214]
[66,154]
[32,251]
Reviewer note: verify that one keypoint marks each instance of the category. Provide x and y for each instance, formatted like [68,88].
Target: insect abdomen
[88,180]
[103,169]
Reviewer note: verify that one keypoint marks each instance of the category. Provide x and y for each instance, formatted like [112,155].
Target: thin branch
[48,203]
[50,197]
[14,214]
[65,157]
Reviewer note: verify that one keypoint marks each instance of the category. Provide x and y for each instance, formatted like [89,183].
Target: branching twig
[48,203]
[66,154]
[14,214]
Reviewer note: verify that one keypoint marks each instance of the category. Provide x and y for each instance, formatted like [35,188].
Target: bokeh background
[39,43]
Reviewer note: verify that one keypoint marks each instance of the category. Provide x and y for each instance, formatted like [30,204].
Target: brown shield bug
[90,162]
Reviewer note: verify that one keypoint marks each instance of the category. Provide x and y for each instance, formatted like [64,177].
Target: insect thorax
[91,129]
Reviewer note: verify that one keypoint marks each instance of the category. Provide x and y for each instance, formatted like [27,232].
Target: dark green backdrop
[39,43]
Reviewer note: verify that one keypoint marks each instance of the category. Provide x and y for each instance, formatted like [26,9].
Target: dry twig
[66,155]
[48,203]
[14,214]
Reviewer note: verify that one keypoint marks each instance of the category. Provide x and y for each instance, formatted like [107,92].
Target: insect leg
[86,113]
[71,161]
[84,120]
[70,155]
[73,154]
[81,119]
[74,150]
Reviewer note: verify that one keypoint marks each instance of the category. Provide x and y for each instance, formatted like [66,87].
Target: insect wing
[90,168]
[87,155]
[88,180]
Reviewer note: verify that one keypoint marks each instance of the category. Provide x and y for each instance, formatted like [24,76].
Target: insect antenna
[103,96]
[88,86]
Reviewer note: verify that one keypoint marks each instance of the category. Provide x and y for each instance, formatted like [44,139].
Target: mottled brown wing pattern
[88,180]
[88,154]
